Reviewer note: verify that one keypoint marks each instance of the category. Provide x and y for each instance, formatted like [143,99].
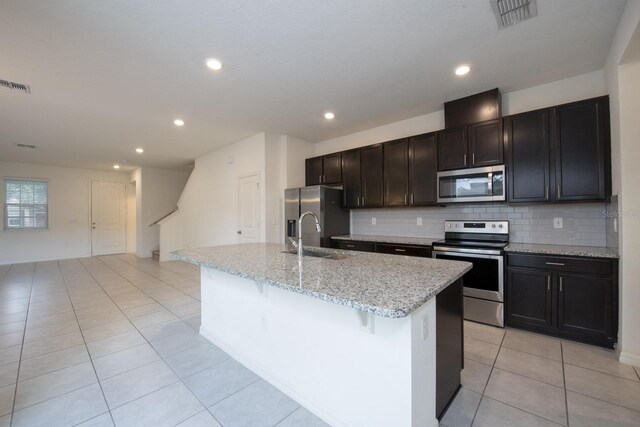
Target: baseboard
[316,408]
[630,359]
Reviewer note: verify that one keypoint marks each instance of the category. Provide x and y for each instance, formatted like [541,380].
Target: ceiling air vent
[32,147]
[511,12]
[15,86]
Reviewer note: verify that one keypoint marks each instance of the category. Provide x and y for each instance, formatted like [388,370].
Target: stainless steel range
[481,243]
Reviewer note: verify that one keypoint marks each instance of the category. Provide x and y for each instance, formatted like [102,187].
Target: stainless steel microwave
[472,185]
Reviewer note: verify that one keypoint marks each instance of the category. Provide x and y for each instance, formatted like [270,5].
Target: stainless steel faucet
[318,229]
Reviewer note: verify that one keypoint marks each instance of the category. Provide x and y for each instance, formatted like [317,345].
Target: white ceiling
[109,76]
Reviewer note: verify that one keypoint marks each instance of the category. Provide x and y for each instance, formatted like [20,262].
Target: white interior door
[108,218]
[249,209]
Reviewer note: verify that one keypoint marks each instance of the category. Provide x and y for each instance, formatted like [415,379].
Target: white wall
[297,150]
[583,86]
[69,233]
[622,79]
[131,218]
[158,191]
[209,203]
[275,178]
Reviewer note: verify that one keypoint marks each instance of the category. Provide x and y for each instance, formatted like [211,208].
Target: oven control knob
[493,226]
[500,226]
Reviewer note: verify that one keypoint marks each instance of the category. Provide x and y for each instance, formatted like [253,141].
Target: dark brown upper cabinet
[476,108]
[476,145]
[582,150]
[526,137]
[313,171]
[423,169]
[486,143]
[324,169]
[372,166]
[351,180]
[560,153]
[453,148]
[396,172]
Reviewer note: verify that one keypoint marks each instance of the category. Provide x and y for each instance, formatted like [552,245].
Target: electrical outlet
[373,221]
[557,222]
[419,221]
[425,327]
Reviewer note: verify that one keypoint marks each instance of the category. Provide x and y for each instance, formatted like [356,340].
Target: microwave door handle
[490,183]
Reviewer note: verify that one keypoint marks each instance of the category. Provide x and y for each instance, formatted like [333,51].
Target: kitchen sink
[318,254]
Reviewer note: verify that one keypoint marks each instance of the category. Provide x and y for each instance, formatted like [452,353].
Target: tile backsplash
[584,224]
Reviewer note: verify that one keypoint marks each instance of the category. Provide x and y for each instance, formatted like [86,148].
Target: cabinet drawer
[562,264]
[353,245]
[410,250]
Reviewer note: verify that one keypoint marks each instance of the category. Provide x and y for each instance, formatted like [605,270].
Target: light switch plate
[373,221]
[557,222]
[419,221]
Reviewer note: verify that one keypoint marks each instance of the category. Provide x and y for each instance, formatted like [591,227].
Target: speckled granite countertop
[388,239]
[579,251]
[386,285]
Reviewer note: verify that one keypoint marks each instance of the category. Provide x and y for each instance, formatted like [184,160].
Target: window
[25,204]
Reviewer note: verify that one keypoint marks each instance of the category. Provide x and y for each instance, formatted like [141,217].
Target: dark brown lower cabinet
[529,297]
[353,245]
[449,345]
[384,248]
[568,297]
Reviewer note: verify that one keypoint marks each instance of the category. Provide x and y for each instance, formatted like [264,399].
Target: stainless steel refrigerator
[326,202]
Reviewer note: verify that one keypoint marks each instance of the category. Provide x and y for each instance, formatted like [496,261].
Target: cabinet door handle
[320,179]
[358,200]
[362,200]
[350,246]
[548,283]
[465,159]
[473,158]
[412,201]
[546,192]
[405,199]
[400,250]
[558,191]
[554,263]
[560,283]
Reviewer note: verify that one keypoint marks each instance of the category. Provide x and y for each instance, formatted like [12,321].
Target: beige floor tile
[532,396]
[53,361]
[475,375]
[482,332]
[537,344]
[462,410]
[44,387]
[480,351]
[616,390]
[531,366]
[8,374]
[588,412]
[6,398]
[492,413]
[597,359]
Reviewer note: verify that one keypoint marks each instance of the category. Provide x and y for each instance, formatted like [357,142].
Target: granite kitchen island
[355,340]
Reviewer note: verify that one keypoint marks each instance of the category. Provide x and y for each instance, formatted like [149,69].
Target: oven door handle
[447,250]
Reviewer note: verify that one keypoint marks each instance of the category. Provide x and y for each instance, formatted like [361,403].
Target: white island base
[348,367]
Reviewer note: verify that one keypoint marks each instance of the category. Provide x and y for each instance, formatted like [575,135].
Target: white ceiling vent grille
[15,86]
[511,12]
[32,147]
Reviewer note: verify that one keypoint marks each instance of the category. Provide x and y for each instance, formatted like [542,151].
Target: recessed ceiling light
[116,166]
[214,64]
[329,115]
[462,70]
[178,122]
[140,150]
